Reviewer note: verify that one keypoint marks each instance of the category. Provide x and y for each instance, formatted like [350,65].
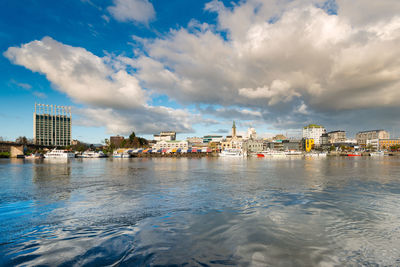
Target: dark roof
[338,131]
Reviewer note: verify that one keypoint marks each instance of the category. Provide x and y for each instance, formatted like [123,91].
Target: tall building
[315,132]
[52,125]
[362,137]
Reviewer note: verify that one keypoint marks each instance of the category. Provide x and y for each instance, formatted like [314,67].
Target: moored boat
[231,153]
[59,154]
[377,154]
[354,154]
[34,156]
[93,154]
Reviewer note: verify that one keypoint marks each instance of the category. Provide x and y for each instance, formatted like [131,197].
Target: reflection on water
[199,212]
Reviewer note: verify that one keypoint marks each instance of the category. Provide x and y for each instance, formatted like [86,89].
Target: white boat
[117,154]
[231,153]
[316,154]
[34,156]
[377,154]
[59,154]
[274,153]
[293,153]
[93,154]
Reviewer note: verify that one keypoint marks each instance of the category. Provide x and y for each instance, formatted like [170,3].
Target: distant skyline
[195,66]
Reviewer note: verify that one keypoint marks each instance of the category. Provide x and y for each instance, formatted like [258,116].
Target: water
[200,212]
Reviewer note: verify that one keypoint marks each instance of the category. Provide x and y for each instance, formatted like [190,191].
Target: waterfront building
[362,137]
[165,136]
[387,143]
[52,125]
[337,136]
[291,145]
[315,132]
[251,133]
[194,140]
[212,138]
[252,145]
[233,141]
[324,139]
[171,144]
[373,144]
[274,145]
[116,141]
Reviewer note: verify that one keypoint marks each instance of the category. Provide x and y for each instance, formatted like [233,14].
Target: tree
[132,137]
[21,140]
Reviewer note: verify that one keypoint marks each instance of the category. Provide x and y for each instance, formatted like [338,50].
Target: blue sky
[195,66]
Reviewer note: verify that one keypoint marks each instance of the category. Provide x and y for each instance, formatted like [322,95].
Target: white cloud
[291,62]
[115,98]
[132,10]
[80,74]
[279,55]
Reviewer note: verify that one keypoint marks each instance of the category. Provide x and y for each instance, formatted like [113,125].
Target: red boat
[260,156]
[354,155]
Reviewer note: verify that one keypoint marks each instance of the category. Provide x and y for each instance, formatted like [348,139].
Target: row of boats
[65,154]
[274,153]
[56,153]
[241,153]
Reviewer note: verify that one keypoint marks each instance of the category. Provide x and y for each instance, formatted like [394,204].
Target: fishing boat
[354,154]
[59,154]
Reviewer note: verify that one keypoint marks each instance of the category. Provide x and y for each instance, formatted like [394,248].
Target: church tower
[233,130]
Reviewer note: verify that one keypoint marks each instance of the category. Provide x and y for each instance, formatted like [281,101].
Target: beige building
[233,141]
[337,137]
[252,145]
[170,144]
[362,137]
[165,136]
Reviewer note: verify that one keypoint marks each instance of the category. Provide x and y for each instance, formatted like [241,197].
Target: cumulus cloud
[115,98]
[132,10]
[282,57]
[80,74]
[286,62]
[148,120]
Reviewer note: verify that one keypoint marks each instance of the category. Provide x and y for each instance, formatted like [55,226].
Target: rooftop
[313,126]
[371,131]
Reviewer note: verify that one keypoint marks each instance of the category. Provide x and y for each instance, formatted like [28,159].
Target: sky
[195,66]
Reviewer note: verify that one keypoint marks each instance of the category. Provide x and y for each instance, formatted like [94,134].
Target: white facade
[374,143]
[170,144]
[165,136]
[314,132]
[251,133]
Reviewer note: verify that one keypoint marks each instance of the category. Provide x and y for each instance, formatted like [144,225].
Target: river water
[200,212]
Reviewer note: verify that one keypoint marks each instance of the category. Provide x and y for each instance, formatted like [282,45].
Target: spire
[233,130]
